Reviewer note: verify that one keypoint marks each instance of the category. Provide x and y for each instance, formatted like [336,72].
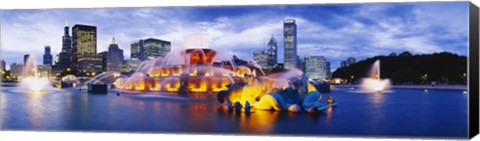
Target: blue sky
[336,31]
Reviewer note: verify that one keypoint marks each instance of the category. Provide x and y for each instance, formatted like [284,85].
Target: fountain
[374,83]
[30,78]
[191,69]
[244,87]
[99,84]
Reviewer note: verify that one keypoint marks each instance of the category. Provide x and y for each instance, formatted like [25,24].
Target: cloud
[334,31]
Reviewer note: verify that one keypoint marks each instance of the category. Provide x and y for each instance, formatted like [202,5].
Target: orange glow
[199,56]
[194,72]
[221,85]
[173,85]
[198,85]
[178,70]
[202,78]
[154,86]
[165,72]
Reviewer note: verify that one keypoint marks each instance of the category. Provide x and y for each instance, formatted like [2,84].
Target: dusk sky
[336,31]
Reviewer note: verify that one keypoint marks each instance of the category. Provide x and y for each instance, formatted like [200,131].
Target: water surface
[401,113]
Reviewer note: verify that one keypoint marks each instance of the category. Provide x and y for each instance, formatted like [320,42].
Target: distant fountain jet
[374,83]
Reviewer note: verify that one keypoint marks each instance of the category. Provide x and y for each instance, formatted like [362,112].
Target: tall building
[104,55]
[261,58]
[131,65]
[44,71]
[84,49]
[154,48]
[350,61]
[114,57]
[272,50]
[317,67]
[136,50]
[150,48]
[3,65]
[65,56]
[16,69]
[47,56]
[290,43]
[25,58]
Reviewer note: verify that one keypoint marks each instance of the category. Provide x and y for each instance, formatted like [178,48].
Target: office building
[25,58]
[272,50]
[136,50]
[104,55]
[84,48]
[317,67]
[65,56]
[44,71]
[3,65]
[16,69]
[290,43]
[261,58]
[148,49]
[130,65]
[114,57]
[154,48]
[47,56]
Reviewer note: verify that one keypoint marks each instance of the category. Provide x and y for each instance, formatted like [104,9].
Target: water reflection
[357,113]
[256,122]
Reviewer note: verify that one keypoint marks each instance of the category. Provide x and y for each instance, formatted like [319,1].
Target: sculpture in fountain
[293,94]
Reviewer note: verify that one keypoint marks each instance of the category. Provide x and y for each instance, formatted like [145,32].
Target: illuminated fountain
[31,80]
[374,83]
[241,87]
[188,70]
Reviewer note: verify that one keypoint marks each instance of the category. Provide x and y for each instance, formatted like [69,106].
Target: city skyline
[336,32]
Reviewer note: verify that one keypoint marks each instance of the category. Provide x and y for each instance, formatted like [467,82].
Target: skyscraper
[85,57]
[25,58]
[3,65]
[47,56]
[65,56]
[149,49]
[114,57]
[317,67]
[272,52]
[290,43]
[261,58]
[136,50]
[155,48]
[104,55]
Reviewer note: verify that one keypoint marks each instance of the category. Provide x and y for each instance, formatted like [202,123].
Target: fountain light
[35,84]
[374,83]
